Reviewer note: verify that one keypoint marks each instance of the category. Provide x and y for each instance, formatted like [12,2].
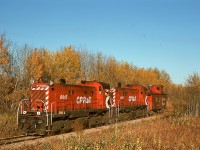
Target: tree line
[19,65]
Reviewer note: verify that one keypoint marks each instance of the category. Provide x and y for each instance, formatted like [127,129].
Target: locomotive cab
[142,93]
[101,89]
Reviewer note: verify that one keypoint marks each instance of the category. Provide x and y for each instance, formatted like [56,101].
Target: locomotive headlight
[23,120]
[24,112]
[38,113]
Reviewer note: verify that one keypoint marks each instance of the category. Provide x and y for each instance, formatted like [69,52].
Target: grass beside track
[168,132]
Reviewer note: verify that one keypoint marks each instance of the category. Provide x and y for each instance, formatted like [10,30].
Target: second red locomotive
[56,108]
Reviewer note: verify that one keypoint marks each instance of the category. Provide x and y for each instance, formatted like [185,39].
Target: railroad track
[17,139]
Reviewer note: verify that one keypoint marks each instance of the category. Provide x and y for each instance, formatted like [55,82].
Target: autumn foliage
[19,65]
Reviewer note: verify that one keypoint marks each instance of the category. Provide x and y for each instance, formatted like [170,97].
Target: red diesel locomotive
[58,108]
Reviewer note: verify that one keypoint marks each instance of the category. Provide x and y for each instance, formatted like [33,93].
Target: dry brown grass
[8,125]
[170,132]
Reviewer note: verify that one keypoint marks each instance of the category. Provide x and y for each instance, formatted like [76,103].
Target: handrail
[45,108]
[51,113]
[18,109]
[20,106]
[117,108]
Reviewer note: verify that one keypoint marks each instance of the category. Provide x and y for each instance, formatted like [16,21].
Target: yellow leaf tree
[34,64]
[66,65]
[6,79]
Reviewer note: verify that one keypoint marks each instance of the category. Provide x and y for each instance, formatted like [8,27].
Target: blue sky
[163,34]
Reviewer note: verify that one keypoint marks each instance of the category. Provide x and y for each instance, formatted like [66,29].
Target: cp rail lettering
[83,100]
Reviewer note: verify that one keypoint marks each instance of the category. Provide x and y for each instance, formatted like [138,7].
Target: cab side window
[100,90]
